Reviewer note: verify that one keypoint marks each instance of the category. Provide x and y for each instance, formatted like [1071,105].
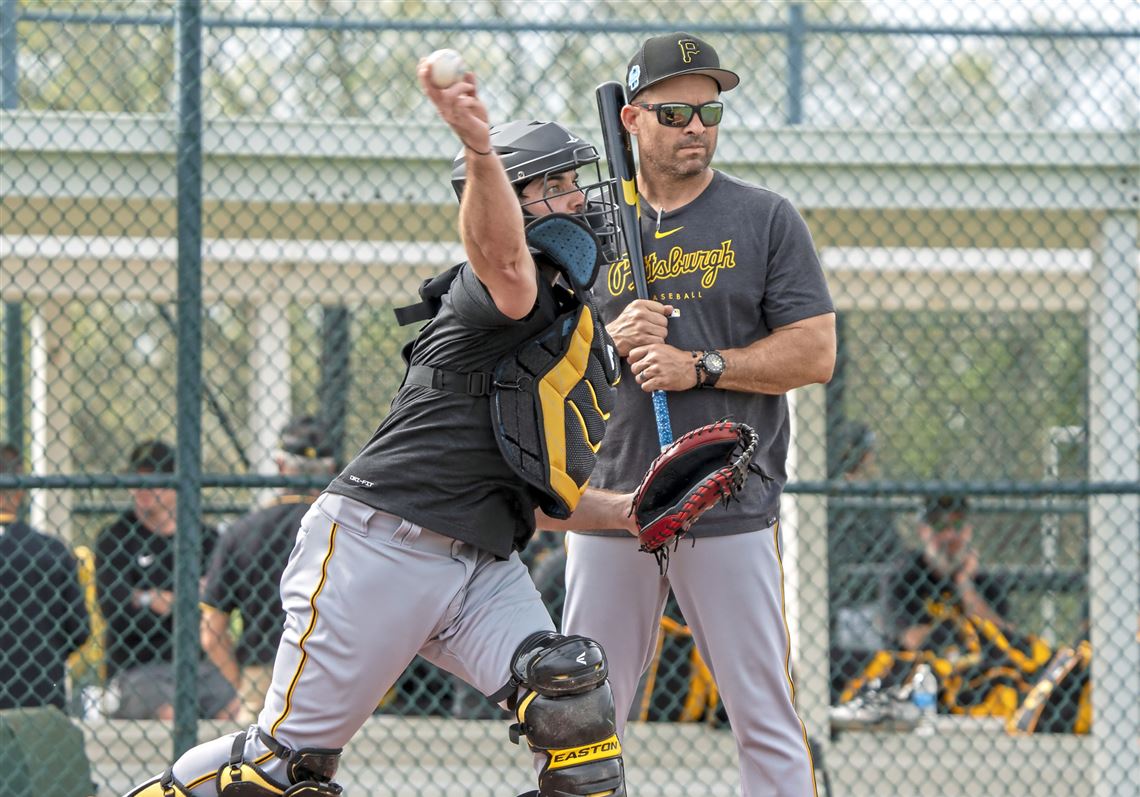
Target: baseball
[446,67]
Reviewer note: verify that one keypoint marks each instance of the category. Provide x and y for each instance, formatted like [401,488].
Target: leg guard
[566,711]
[310,774]
[163,786]
[310,771]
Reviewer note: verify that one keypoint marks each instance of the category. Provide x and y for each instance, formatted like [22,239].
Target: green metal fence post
[796,32]
[188,541]
[9,46]
[335,375]
[14,372]
[13,311]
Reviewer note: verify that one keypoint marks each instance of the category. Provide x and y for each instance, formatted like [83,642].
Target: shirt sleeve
[218,591]
[795,288]
[472,302]
[74,622]
[112,576]
[906,604]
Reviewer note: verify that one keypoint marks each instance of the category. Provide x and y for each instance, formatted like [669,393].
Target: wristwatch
[711,364]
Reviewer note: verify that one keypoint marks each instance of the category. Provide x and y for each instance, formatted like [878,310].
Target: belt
[477,383]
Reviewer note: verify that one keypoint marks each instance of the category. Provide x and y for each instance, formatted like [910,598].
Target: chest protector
[551,397]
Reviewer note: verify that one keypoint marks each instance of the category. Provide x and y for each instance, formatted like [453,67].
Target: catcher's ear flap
[570,244]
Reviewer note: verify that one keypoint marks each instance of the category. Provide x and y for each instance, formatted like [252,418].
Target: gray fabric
[428,462]
[738,262]
[462,609]
[144,689]
[472,611]
[747,652]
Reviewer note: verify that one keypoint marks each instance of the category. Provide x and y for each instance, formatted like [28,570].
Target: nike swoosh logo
[659,234]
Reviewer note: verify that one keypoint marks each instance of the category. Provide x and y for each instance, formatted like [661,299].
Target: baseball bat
[619,157]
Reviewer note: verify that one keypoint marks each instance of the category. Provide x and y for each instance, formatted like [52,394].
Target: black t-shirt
[245,574]
[129,557]
[916,587]
[435,460]
[43,617]
[737,262]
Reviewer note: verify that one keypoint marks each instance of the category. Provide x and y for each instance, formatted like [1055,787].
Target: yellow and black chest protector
[552,396]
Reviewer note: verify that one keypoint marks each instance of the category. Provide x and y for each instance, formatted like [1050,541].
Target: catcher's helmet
[533,149]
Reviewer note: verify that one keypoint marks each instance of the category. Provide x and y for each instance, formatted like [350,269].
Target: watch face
[713,362]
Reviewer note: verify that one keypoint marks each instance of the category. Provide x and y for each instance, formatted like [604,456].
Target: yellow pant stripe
[308,631]
[788,654]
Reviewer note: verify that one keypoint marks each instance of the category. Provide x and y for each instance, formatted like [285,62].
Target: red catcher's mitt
[700,469]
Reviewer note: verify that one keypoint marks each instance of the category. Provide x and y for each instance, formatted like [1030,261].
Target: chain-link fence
[210,210]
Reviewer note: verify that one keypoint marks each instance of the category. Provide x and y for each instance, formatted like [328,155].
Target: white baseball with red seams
[446,67]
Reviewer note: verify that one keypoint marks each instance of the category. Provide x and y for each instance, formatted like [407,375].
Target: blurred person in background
[943,575]
[43,617]
[946,615]
[134,575]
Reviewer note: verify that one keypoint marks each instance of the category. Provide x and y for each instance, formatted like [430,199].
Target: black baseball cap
[663,57]
[940,508]
[151,456]
[306,437]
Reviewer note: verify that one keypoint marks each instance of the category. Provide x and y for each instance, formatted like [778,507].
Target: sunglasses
[679,114]
[950,525]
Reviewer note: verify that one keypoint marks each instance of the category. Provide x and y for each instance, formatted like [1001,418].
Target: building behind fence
[208,212]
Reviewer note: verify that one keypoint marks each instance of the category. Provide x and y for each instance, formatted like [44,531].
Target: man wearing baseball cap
[134,578]
[673,55]
[756,321]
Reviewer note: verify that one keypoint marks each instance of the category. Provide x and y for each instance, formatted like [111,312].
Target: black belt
[478,383]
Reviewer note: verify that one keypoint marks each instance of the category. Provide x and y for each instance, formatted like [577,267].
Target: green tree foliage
[97,67]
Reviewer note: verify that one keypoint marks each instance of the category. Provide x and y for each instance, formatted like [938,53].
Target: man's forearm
[597,509]
[913,637]
[975,604]
[218,645]
[792,356]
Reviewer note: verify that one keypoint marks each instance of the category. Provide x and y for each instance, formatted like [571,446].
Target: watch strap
[710,378]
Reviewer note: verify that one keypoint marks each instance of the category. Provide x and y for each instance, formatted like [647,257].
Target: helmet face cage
[534,150]
[599,210]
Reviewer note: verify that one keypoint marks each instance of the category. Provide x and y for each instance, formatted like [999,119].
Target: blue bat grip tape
[661,413]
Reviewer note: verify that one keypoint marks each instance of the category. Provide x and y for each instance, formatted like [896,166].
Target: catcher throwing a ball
[413,548]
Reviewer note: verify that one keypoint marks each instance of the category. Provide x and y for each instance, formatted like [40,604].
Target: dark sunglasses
[948,525]
[679,114]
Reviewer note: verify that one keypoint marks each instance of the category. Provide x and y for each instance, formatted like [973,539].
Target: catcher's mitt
[706,466]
